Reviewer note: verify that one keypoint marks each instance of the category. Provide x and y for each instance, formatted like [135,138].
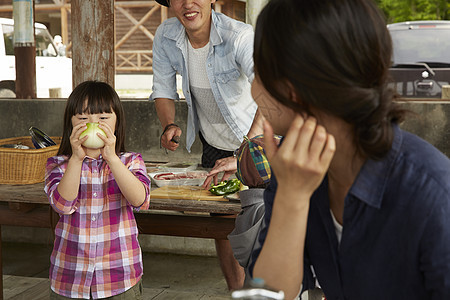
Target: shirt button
[209,65]
[95,194]
[93,218]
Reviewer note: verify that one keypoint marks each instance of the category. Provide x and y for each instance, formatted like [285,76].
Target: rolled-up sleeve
[138,168]
[164,75]
[54,172]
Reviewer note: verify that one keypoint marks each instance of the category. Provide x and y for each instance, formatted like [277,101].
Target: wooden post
[445,92]
[25,72]
[253,7]
[93,41]
[24,49]
[64,25]
[54,93]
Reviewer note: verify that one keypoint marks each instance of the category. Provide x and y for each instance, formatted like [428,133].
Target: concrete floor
[166,276]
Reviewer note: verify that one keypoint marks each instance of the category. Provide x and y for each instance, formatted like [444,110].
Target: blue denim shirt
[396,231]
[229,67]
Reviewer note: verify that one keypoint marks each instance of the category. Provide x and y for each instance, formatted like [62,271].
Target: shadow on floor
[166,276]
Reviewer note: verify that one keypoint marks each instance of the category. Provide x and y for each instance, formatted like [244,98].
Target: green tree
[409,10]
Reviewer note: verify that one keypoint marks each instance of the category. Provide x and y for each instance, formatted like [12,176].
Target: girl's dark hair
[336,55]
[101,98]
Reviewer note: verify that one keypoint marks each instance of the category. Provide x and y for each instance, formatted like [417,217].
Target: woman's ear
[295,98]
[292,93]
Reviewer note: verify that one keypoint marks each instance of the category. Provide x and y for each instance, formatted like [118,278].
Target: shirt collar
[214,35]
[372,179]
[90,158]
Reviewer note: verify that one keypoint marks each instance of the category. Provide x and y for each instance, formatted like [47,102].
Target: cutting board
[186,192]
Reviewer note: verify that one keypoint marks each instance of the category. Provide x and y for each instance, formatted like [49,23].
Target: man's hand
[228,165]
[165,108]
[170,137]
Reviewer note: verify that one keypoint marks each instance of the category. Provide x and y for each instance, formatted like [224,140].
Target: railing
[134,60]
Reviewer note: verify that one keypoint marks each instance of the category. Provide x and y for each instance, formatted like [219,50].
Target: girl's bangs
[97,105]
[95,101]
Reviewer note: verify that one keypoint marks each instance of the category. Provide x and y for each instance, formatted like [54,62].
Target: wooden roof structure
[135,22]
[90,26]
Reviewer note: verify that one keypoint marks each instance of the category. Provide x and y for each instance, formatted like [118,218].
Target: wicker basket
[24,166]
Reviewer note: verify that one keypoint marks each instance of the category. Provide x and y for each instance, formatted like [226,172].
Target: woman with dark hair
[356,205]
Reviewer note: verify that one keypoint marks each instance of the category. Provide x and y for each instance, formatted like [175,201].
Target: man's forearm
[165,108]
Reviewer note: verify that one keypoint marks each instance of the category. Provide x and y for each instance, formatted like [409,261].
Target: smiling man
[214,55]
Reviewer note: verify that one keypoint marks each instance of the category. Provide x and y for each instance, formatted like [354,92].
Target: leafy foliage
[409,10]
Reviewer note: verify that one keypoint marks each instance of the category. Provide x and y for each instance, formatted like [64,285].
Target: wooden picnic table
[28,206]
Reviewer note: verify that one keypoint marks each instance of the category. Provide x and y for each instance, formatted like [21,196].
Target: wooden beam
[64,26]
[189,226]
[63,4]
[38,7]
[93,41]
[136,3]
[38,217]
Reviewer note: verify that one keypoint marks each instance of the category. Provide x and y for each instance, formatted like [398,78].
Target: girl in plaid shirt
[96,252]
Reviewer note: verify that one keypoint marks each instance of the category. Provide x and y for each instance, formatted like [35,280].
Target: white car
[421,58]
[53,70]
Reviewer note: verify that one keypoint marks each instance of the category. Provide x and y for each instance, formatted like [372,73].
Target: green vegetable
[226,187]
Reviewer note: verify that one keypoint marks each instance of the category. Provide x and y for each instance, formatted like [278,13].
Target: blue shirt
[396,229]
[229,68]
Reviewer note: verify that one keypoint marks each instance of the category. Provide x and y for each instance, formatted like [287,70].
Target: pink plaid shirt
[96,250]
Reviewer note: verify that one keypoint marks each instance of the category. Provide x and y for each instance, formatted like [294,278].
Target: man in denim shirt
[214,55]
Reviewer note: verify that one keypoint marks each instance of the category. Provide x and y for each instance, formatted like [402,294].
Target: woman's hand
[303,158]
[78,151]
[300,163]
[109,150]
[228,165]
